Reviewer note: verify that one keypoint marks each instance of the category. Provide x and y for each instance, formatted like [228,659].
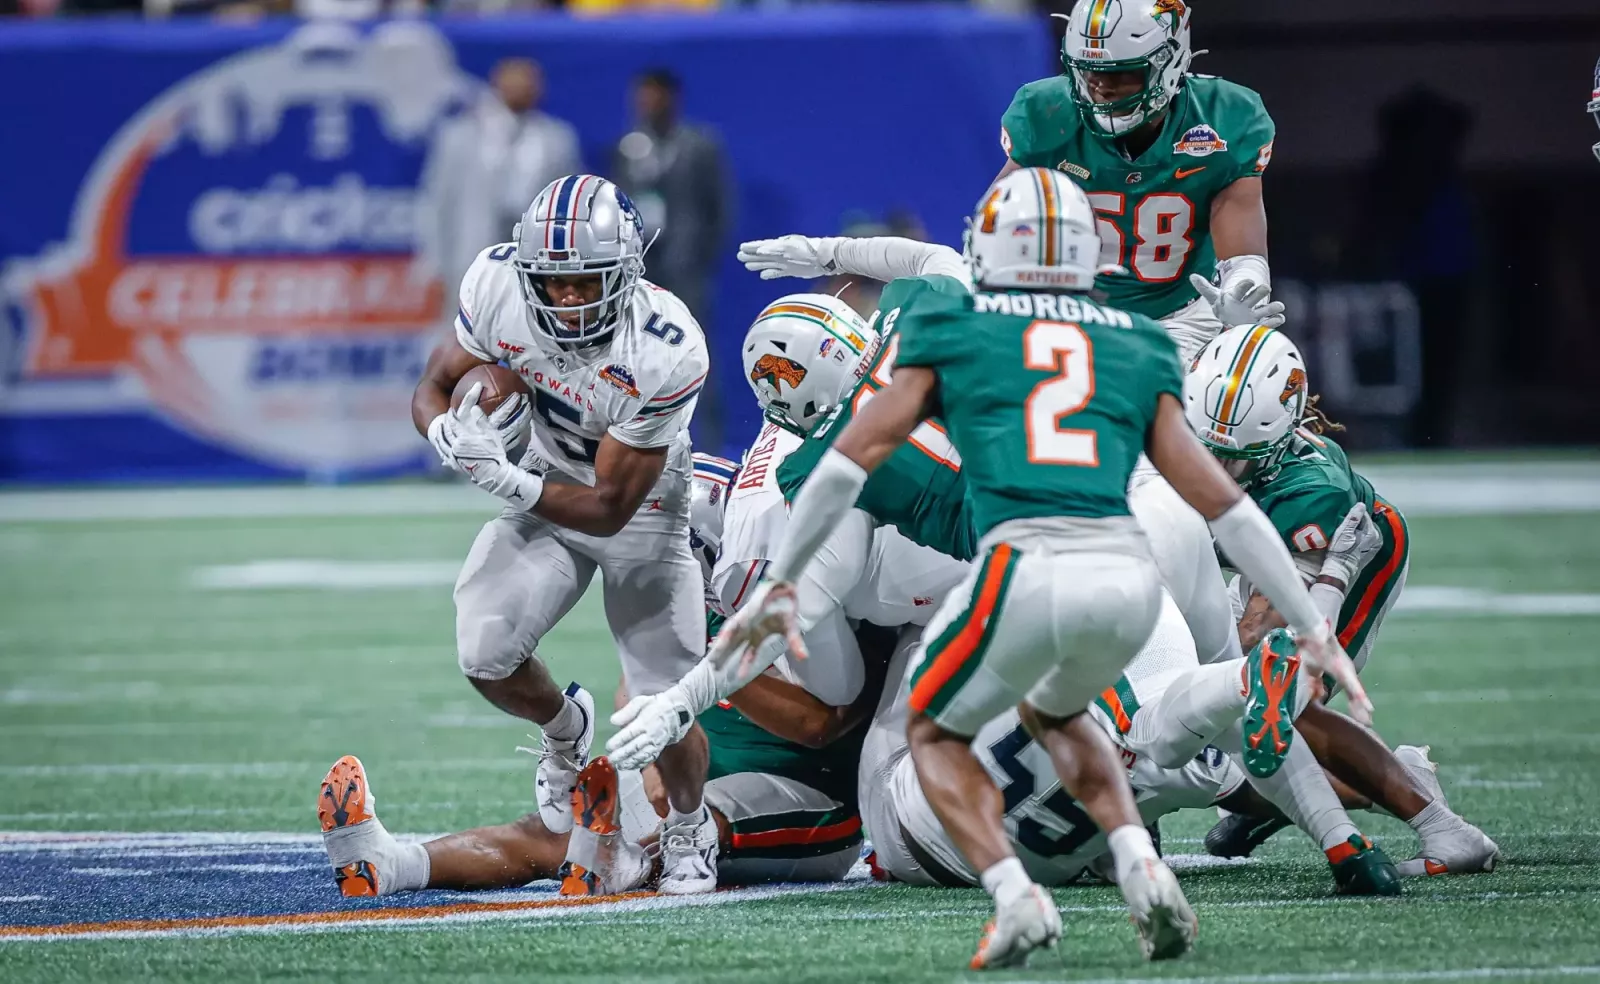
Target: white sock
[567,725]
[692,819]
[1005,881]
[412,868]
[1130,844]
[1300,789]
[1433,817]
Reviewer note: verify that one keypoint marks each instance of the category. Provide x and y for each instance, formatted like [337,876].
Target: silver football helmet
[708,497]
[580,225]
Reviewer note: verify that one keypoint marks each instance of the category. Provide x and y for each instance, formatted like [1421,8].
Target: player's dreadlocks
[1315,420]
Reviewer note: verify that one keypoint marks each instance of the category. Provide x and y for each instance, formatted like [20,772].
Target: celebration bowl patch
[1200,141]
[621,377]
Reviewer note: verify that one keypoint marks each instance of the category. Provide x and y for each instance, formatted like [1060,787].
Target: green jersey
[918,489]
[1312,490]
[740,745]
[1048,397]
[1155,211]
[1307,499]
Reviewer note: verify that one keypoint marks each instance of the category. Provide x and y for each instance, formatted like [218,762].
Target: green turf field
[149,681]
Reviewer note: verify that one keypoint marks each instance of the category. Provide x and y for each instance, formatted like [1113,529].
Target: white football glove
[789,256]
[1354,543]
[647,727]
[509,418]
[480,451]
[1322,655]
[1248,303]
[442,435]
[738,653]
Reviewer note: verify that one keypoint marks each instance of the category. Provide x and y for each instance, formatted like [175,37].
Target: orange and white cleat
[600,860]
[366,858]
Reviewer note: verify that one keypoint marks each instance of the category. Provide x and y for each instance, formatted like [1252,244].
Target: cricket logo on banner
[241,256]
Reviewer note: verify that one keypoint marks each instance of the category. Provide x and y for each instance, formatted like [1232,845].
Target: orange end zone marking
[312,918]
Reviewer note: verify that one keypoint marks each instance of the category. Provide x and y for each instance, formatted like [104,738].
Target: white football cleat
[600,859]
[559,762]
[1167,926]
[689,857]
[1027,923]
[362,853]
[1460,848]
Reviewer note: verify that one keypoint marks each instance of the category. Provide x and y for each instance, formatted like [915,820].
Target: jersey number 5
[1063,348]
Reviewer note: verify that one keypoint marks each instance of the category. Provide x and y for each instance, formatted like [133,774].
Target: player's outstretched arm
[879,257]
[1243,292]
[623,476]
[1250,541]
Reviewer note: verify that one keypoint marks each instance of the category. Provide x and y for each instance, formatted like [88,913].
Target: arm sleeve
[469,334]
[891,257]
[819,508]
[666,414]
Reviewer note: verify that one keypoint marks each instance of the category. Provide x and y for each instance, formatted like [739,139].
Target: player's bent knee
[488,648]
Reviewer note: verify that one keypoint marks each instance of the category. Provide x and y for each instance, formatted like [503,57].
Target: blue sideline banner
[208,238]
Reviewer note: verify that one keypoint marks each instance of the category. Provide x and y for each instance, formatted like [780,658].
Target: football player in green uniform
[1172,163]
[1049,400]
[1248,400]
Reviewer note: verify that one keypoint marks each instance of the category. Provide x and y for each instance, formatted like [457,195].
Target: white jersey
[859,574]
[641,389]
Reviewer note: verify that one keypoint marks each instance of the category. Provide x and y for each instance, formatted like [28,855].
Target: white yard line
[1445,489]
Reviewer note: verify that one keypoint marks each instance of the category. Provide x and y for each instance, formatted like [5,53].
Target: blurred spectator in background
[485,167]
[674,172]
[1416,225]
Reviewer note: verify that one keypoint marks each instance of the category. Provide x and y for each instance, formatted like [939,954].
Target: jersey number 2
[1063,348]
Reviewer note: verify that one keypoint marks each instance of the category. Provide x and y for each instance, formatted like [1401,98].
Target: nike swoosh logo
[1182,173]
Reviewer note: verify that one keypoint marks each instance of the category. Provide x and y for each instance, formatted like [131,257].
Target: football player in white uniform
[783,798]
[615,366]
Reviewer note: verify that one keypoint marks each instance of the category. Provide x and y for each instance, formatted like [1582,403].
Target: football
[499,385]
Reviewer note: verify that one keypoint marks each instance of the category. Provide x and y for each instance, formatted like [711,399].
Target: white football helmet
[1146,36]
[801,356]
[1034,229]
[708,497]
[579,225]
[1244,396]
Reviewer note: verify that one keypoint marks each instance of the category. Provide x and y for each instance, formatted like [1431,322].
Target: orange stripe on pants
[792,836]
[1369,598]
[961,648]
